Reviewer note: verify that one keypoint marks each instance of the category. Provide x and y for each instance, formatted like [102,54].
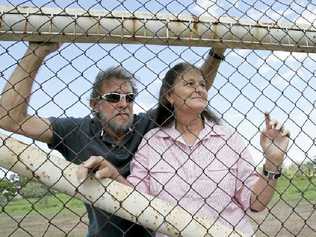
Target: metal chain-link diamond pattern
[268,66]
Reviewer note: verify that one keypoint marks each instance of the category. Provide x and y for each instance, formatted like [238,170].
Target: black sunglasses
[114,97]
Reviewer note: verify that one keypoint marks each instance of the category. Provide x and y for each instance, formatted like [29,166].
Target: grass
[288,189]
[48,205]
[294,189]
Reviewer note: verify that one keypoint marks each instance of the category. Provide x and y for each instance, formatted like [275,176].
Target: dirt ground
[295,219]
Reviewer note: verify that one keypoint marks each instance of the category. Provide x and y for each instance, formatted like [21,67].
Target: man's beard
[110,123]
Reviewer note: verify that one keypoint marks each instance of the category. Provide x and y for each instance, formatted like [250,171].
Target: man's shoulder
[71,132]
[150,114]
[145,120]
[75,120]
[71,124]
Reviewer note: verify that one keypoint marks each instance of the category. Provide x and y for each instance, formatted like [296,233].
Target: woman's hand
[274,141]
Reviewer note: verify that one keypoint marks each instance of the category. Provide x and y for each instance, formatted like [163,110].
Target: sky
[249,82]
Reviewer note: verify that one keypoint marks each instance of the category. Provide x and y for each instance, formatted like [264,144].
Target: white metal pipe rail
[76,25]
[109,195]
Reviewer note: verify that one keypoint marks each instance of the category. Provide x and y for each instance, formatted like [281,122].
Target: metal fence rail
[111,196]
[78,25]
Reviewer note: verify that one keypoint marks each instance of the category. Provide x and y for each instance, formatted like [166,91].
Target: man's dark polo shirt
[79,138]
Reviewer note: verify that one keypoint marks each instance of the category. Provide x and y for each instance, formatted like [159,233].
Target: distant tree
[7,191]
[306,168]
[31,188]
[309,167]
[291,170]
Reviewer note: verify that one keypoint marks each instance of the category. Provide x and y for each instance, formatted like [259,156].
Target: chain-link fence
[206,187]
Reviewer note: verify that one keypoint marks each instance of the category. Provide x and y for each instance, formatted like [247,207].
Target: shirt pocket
[217,187]
[168,184]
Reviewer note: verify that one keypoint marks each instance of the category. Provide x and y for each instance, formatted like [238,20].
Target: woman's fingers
[267,120]
[285,133]
[273,124]
[278,126]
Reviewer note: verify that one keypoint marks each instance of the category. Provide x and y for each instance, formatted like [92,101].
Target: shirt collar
[210,130]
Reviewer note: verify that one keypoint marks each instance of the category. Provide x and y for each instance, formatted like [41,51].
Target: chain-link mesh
[268,66]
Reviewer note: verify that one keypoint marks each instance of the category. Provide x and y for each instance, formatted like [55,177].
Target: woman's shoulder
[222,129]
[151,142]
[154,133]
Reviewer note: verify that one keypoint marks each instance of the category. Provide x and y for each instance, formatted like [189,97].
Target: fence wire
[268,66]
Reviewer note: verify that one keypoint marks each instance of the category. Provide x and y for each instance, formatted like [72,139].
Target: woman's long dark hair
[165,111]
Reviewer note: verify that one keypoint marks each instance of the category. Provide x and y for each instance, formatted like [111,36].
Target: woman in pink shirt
[204,167]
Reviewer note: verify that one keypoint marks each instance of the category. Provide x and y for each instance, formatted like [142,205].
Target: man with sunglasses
[112,133]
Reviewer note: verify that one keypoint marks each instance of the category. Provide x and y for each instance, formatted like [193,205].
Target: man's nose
[123,102]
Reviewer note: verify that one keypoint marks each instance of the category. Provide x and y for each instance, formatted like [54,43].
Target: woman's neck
[189,126]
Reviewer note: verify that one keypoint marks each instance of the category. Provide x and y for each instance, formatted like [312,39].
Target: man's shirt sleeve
[64,134]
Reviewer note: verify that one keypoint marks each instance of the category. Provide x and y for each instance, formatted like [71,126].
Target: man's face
[115,116]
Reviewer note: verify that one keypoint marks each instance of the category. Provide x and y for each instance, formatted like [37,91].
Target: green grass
[48,205]
[288,189]
[294,189]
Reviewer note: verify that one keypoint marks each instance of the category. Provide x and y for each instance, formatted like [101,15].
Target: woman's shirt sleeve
[246,173]
[139,176]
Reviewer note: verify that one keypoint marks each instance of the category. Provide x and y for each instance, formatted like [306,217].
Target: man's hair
[112,73]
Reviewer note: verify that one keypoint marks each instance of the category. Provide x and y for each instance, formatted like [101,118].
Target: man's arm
[211,65]
[102,168]
[16,94]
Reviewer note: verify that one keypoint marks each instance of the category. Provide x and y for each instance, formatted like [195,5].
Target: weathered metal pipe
[76,25]
[107,194]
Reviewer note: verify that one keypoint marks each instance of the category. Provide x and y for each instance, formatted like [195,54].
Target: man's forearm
[15,95]
[122,180]
[211,65]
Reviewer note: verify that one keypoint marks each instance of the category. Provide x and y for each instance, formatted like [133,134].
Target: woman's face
[189,92]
